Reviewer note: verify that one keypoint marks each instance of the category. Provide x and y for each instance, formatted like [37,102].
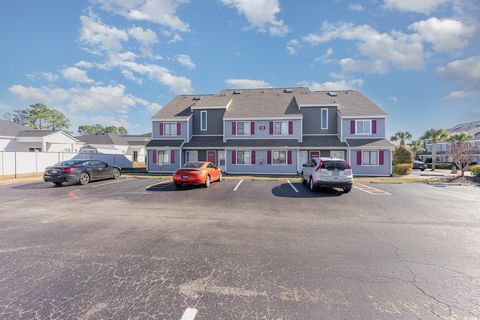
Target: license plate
[184,177]
[53,171]
[335,173]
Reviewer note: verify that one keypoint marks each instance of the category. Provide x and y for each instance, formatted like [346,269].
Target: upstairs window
[280,128]
[203,120]
[243,128]
[170,129]
[324,119]
[363,126]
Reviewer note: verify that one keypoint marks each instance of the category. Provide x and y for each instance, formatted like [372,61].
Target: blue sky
[103,62]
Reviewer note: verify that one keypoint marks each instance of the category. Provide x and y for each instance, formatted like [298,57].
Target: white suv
[328,172]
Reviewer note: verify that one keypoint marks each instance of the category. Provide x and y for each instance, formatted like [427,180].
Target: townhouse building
[270,131]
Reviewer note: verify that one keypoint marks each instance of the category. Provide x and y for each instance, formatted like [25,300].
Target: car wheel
[207,182]
[84,178]
[347,189]
[57,184]
[220,177]
[312,184]
[422,169]
[116,174]
[303,179]
[178,185]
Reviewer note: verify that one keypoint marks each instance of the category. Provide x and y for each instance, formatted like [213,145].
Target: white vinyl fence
[13,163]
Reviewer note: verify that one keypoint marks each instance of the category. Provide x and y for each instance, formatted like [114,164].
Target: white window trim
[321,118]
[170,135]
[378,158]
[167,152]
[365,133]
[248,127]
[206,120]
[286,158]
[281,134]
[249,158]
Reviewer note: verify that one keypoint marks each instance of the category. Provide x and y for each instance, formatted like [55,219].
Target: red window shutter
[269,156]
[160,131]
[179,128]
[271,127]
[352,126]
[359,158]
[252,128]
[290,127]
[289,157]
[374,126]
[154,156]
[234,128]
[234,157]
[381,157]
[172,156]
[252,157]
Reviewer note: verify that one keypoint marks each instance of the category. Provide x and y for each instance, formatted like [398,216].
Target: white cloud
[146,37]
[130,76]
[153,108]
[162,12]
[261,14]
[466,73]
[246,84]
[98,37]
[446,35]
[292,46]
[325,58]
[5,107]
[461,94]
[422,6]
[40,94]
[176,38]
[48,76]
[394,99]
[75,74]
[333,85]
[84,64]
[185,61]
[355,7]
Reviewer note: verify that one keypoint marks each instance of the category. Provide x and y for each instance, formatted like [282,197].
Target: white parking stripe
[115,181]
[291,185]
[370,190]
[238,185]
[190,313]
[157,183]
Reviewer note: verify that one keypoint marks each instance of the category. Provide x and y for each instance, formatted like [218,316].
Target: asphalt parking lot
[241,249]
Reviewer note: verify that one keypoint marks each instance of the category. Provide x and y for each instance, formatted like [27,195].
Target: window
[280,128]
[279,157]
[203,120]
[170,129]
[324,119]
[163,157]
[210,166]
[243,128]
[35,149]
[363,127]
[370,158]
[99,164]
[243,157]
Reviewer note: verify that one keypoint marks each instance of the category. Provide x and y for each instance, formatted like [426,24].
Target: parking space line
[189,314]
[110,182]
[293,187]
[238,185]
[370,190]
[155,184]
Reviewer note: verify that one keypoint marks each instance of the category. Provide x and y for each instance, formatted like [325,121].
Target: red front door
[212,156]
[314,154]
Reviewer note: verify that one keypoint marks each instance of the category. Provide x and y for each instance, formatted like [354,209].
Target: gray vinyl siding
[383,170]
[380,129]
[202,155]
[257,168]
[190,128]
[339,126]
[155,167]
[312,120]
[265,133]
[156,130]
[214,122]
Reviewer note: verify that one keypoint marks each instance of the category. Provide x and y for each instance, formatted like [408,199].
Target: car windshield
[332,165]
[195,165]
[68,163]
[419,162]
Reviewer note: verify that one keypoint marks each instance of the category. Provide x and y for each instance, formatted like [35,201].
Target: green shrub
[441,165]
[402,154]
[475,170]
[402,169]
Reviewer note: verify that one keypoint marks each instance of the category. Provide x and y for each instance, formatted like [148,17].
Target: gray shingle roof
[205,142]
[106,138]
[11,129]
[322,141]
[178,108]
[370,143]
[351,103]
[213,101]
[165,143]
[35,133]
[470,127]
[258,143]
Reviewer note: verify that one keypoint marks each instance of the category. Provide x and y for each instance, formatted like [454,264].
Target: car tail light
[46,169]
[68,170]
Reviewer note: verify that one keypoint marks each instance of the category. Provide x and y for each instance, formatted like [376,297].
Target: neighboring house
[270,131]
[15,137]
[114,144]
[443,148]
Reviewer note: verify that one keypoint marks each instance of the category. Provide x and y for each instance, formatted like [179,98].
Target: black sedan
[419,165]
[80,171]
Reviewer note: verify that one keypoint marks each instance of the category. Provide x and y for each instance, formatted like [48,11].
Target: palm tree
[461,155]
[402,136]
[435,136]
[416,147]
